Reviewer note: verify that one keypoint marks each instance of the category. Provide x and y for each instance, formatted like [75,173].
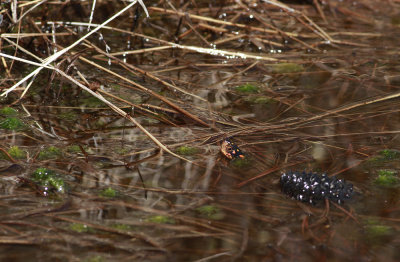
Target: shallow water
[334,110]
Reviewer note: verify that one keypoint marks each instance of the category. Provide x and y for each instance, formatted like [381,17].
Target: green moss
[122,227]
[57,183]
[108,192]
[50,153]
[186,150]
[260,100]
[385,172]
[247,88]
[16,152]
[94,259]
[210,212]
[122,150]
[385,155]
[80,228]
[74,149]
[387,178]
[160,219]
[374,159]
[263,100]
[41,174]
[49,180]
[91,102]
[12,123]
[8,111]
[241,162]
[283,68]
[376,232]
[115,87]
[389,154]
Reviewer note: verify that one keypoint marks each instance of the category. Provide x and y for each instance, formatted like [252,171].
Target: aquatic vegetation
[116,87]
[259,100]
[50,153]
[210,212]
[385,155]
[387,178]
[160,219]
[283,68]
[376,232]
[122,150]
[16,152]
[80,228]
[49,180]
[241,162]
[389,154]
[74,149]
[91,101]
[247,88]
[8,111]
[186,150]
[12,123]
[108,192]
[262,100]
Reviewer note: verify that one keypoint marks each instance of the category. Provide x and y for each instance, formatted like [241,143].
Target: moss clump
[8,111]
[376,234]
[389,154]
[259,100]
[247,88]
[241,162]
[210,212]
[160,219]
[91,102]
[16,152]
[385,155]
[12,123]
[80,228]
[186,150]
[108,192]
[387,178]
[122,150]
[49,180]
[283,68]
[41,174]
[122,227]
[74,149]
[50,153]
